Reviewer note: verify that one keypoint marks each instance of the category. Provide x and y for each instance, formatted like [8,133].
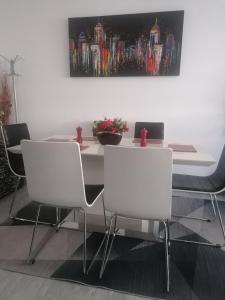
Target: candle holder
[79,138]
[143,142]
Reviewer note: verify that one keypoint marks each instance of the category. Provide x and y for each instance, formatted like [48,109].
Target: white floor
[15,286]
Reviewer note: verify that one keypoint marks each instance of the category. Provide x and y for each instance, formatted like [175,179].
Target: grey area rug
[136,266]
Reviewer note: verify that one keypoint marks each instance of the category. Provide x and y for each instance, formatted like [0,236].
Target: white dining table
[199,158]
[93,155]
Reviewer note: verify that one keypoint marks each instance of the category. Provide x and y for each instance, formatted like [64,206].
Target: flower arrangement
[5,102]
[110,125]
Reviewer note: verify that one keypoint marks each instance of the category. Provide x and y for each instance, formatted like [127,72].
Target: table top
[198,158]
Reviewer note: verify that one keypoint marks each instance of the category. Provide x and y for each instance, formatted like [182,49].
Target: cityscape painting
[147,44]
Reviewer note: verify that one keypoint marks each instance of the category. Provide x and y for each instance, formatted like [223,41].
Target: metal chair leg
[14,197]
[220,220]
[192,218]
[85,243]
[167,256]
[213,206]
[33,234]
[213,198]
[106,255]
[103,204]
[103,240]
[107,235]
[197,218]
[96,254]
[58,217]
[74,215]
[99,248]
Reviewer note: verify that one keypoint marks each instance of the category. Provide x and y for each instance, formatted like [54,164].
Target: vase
[109,138]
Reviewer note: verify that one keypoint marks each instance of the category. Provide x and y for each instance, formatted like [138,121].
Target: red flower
[115,125]
[106,124]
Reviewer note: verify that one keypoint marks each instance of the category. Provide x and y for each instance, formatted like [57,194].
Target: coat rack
[13,74]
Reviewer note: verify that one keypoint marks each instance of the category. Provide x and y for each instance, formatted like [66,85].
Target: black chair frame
[211,186]
[216,210]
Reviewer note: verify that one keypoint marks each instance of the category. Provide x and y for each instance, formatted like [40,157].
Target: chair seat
[92,191]
[197,183]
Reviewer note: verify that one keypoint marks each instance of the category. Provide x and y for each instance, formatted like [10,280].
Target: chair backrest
[155,130]
[12,135]
[138,181]
[54,173]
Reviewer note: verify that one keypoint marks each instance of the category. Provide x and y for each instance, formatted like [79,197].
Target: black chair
[155,130]
[211,185]
[12,135]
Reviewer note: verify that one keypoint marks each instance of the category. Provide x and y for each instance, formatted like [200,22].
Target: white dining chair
[137,185]
[55,178]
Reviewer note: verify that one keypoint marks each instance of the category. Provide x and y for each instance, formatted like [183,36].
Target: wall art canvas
[147,44]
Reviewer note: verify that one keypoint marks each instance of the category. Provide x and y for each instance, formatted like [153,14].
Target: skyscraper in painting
[126,45]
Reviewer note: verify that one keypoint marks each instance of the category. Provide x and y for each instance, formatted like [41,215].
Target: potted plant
[109,131]
[7,179]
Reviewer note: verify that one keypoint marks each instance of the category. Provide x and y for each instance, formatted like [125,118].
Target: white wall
[192,105]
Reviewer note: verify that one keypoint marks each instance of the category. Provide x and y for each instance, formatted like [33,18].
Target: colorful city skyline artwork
[147,44]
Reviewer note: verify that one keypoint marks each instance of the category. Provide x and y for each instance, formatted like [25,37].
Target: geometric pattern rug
[136,266]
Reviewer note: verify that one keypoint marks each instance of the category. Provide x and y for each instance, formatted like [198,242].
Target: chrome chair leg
[220,220]
[213,199]
[96,254]
[103,204]
[197,243]
[85,243]
[58,217]
[107,235]
[213,206]
[103,240]
[33,234]
[112,240]
[74,215]
[197,218]
[167,255]
[14,198]
[106,255]
[192,218]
